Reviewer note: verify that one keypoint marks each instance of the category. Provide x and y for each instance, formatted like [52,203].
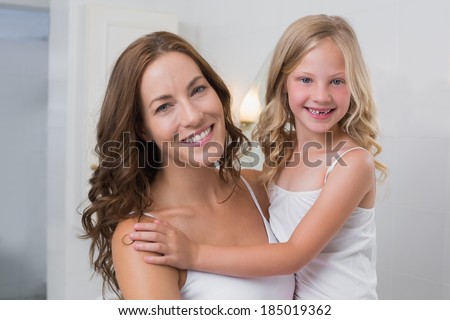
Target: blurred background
[54,60]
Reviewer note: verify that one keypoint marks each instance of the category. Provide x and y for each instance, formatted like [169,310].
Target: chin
[207,162]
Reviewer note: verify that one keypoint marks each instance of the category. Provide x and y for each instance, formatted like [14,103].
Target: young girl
[318,134]
[165,124]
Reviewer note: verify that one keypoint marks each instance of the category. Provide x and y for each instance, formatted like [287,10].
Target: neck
[176,186]
[319,141]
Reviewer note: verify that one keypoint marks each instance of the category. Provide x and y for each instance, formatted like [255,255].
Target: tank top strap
[147,214]
[335,161]
[255,200]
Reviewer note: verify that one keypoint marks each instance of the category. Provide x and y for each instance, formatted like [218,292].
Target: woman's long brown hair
[121,183]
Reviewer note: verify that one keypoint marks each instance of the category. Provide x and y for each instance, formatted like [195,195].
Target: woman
[167,144]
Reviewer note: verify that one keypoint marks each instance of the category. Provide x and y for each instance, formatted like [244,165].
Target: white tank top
[210,286]
[346,267]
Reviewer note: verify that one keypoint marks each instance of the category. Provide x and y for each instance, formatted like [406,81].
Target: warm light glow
[250,107]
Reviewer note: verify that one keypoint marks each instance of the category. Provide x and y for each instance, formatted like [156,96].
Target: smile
[319,112]
[198,137]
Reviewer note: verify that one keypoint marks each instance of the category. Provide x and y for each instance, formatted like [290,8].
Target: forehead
[326,51]
[169,73]
[169,64]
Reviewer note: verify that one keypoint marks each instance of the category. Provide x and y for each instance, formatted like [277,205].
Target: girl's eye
[198,90]
[337,82]
[305,80]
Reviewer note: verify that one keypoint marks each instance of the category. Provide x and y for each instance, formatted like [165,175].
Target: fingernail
[132,235]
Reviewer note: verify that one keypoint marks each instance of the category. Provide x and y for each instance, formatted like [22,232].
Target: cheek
[342,96]
[217,103]
[217,109]
[296,99]
[162,127]
[346,98]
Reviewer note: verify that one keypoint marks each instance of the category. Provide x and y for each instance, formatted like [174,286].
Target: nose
[190,115]
[321,93]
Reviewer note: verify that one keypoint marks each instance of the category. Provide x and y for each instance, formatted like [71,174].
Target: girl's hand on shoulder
[176,249]
[133,274]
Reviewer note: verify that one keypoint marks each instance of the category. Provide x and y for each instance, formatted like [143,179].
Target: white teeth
[198,137]
[317,112]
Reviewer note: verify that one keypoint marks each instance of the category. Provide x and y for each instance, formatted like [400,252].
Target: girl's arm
[345,188]
[137,279]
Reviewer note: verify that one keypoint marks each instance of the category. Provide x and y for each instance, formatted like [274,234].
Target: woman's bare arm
[137,279]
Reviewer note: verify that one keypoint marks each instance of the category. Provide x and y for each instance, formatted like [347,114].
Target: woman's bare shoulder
[126,226]
[133,274]
[251,175]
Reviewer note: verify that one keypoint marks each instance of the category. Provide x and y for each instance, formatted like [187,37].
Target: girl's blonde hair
[275,130]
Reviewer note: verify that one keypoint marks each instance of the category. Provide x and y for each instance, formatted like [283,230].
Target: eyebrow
[340,73]
[168,96]
[193,81]
[163,97]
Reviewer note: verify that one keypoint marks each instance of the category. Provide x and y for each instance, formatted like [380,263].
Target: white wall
[407,47]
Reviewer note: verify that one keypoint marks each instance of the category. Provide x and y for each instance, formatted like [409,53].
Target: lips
[198,136]
[320,113]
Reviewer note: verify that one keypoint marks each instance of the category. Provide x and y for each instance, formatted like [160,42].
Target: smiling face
[182,113]
[318,95]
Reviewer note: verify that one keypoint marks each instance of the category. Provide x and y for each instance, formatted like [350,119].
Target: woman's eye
[163,108]
[198,90]
[337,82]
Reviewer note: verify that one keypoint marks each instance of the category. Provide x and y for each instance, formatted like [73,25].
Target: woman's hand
[160,237]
